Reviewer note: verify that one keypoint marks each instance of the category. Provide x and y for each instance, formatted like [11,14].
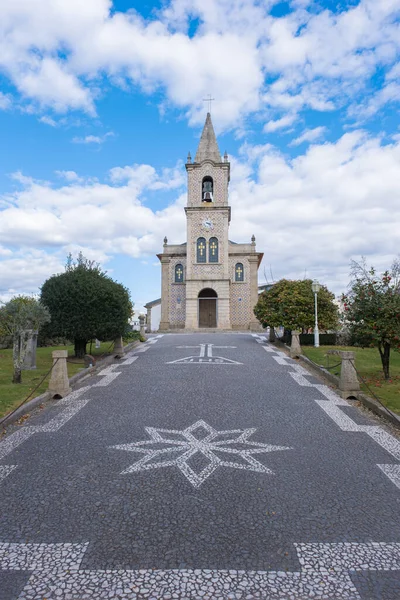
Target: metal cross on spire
[209,100]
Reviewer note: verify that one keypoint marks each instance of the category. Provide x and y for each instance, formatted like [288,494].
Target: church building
[208,281]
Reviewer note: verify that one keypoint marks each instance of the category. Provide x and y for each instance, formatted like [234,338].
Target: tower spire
[208,147]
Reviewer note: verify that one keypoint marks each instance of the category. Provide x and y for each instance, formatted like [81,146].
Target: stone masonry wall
[241,309]
[177,300]
[220,179]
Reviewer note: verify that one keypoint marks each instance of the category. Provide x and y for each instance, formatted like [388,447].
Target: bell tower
[208,217]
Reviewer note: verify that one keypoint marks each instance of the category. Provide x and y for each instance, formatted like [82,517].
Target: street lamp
[315,288]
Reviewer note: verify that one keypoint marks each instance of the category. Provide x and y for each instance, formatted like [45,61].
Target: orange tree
[291,304]
[372,309]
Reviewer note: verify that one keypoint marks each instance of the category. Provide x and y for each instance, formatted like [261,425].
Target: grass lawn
[368,363]
[12,394]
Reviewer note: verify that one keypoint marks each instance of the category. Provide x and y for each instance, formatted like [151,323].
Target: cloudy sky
[101,100]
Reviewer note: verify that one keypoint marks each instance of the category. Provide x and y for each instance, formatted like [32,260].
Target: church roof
[208,147]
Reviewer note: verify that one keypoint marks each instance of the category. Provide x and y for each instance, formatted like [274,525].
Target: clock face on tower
[207,223]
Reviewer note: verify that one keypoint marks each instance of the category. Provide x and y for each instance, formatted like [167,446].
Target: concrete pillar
[295,348]
[118,346]
[142,320]
[348,382]
[59,383]
[31,345]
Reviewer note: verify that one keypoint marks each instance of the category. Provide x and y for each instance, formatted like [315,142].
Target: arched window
[178,273]
[213,250]
[201,250]
[207,189]
[239,272]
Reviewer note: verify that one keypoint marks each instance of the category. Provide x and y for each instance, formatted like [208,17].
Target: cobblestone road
[200,466]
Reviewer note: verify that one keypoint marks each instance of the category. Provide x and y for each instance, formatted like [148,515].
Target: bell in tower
[207,192]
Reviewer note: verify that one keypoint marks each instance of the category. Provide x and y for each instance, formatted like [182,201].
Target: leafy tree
[85,303]
[372,308]
[291,304]
[16,317]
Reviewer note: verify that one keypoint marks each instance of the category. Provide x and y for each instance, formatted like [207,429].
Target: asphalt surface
[201,466]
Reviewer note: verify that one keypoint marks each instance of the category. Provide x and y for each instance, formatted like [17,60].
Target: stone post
[59,383]
[142,320]
[295,348]
[348,382]
[31,345]
[148,319]
[118,346]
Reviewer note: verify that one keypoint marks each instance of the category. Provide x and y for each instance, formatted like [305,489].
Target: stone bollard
[348,381]
[142,320]
[295,348]
[59,383]
[119,346]
[31,345]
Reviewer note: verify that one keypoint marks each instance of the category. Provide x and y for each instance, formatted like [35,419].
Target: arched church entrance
[208,308]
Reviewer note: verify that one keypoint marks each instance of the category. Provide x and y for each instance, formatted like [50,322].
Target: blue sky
[101,101]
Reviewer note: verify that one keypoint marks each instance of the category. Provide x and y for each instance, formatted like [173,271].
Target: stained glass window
[178,273]
[213,250]
[201,250]
[239,272]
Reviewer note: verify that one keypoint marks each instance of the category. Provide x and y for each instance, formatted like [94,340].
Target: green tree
[84,303]
[372,309]
[291,304]
[16,317]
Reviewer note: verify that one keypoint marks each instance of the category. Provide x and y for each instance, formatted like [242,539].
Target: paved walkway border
[366,400]
[38,400]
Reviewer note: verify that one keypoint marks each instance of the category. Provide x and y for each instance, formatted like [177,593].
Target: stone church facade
[209,282]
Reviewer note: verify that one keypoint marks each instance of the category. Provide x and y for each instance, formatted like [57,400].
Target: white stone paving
[324,574]
[393,472]
[331,407]
[6,470]
[73,404]
[217,447]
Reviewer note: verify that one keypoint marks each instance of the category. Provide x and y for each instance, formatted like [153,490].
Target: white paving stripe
[107,376]
[331,407]
[393,472]
[282,360]
[58,421]
[73,405]
[325,573]
[6,470]
[130,360]
[336,414]
[300,379]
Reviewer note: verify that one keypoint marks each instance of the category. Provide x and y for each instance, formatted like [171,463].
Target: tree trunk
[80,347]
[385,358]
[17,363]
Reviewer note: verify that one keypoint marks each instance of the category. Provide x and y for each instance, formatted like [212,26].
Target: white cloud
[69,176]
[334,202]
[309,135]
[282,123]
[48,121]
[57,53]
[5,101]
[93,139]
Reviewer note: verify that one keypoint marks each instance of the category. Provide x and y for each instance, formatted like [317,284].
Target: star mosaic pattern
[198,451]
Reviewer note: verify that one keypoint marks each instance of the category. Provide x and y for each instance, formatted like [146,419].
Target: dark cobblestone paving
[201,466]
